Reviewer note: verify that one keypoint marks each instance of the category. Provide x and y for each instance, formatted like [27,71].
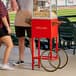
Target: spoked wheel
[63,58]
[45,58]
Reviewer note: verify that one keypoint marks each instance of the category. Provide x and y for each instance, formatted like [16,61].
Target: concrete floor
[69,70]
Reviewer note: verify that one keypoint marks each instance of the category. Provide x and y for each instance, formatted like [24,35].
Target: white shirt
[25,4]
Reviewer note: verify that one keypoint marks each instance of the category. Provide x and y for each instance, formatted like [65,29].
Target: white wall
[66,2]
[59,2]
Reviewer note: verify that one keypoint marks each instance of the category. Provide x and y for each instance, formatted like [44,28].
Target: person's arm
[3,16]
[14,5]
[6,24]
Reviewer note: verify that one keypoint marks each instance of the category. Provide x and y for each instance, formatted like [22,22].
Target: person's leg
[0,42]
[21,48]
[20,33]
[28,29]
[30,45]
[9,45]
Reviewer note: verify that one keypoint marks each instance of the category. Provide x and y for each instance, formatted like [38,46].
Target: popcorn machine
[44,25]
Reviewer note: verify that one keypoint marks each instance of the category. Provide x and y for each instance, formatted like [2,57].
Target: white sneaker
[6,67]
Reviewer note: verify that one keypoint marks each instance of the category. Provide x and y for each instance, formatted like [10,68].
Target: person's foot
[6,67]
[18,63]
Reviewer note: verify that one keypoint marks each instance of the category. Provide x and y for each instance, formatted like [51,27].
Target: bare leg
[0,42]
[9,45]
[30,41]
[21,48]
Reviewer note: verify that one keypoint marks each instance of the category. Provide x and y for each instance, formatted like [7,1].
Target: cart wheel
[55,63]
[63,58]
[45,58]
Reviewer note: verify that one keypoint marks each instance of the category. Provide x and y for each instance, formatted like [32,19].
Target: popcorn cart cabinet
[44,25]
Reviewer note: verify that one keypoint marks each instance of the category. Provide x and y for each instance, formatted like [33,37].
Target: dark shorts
[3,32]
[20,31]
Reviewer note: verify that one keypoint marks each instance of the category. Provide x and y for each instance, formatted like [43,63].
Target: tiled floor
[69,70]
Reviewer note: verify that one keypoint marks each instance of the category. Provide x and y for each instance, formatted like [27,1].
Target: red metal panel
[44,28]
[40,28]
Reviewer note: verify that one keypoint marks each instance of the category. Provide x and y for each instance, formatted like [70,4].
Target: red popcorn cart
[44,25]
